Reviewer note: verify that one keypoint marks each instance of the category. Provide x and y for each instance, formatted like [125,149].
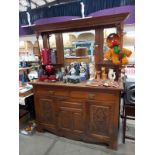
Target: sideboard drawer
[52,92]
[71,104]
[93,95]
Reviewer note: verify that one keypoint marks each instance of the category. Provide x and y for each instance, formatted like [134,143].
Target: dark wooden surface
[82,24]
[78,112]
[98,47]
[45,37]
[59,48]
[77,86]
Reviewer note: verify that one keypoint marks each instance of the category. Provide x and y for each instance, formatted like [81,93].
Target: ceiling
[24,4]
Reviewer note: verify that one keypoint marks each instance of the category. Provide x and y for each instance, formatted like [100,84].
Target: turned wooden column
[98,47]
[59,48]
[45,37]
[120,27]
[37,37]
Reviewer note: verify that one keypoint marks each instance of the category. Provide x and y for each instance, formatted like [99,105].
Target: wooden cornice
[82,23]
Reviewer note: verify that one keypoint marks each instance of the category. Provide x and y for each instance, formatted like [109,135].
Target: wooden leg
[39,128]
[124,129]
[113,145]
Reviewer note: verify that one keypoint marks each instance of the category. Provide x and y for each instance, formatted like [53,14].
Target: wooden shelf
[77,59]
[110,63]
[32,61]
[26,68]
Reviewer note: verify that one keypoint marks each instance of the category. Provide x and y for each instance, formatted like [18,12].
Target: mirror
[79,46]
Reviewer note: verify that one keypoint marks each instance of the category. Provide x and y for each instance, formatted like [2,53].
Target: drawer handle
[91,96]
[52,92]
[60,98]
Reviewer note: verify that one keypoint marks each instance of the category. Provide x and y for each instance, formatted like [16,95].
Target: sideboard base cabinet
[78,112]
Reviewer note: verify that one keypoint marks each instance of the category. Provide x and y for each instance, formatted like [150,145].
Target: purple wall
[116,10]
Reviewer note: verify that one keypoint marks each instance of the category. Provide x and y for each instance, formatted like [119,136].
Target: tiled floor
[49,144]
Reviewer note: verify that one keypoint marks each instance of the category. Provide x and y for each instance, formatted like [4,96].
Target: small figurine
[111,75]
[92,71]
[104,75]
[98,75]
[83,71]
[72,70]
[33,75]
[114,53]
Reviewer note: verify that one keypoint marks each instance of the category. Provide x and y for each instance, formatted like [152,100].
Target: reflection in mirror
[129,41]
[78,46]
[52,41]
[40,42]
[50,53]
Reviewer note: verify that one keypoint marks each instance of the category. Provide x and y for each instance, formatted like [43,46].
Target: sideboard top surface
[78,85]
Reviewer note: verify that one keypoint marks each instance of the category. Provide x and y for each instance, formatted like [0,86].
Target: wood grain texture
[99,46]
[81,113]
[59,48]
[85,24]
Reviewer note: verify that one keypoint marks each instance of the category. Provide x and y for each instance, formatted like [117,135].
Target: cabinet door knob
[52,92]
[91,96]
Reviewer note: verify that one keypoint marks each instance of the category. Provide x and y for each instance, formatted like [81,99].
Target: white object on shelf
[33,75]
[111,74]
[92,71]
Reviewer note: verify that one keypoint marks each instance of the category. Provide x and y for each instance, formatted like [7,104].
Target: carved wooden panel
[99,119]
[65,120]
[71,117]
[47,109]
[78,116]
[78,124]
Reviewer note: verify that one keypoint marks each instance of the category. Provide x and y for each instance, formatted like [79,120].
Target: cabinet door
[71,117]
[100,119]
[47,112]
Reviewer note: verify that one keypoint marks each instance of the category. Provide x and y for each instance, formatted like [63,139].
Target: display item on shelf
[98,75]
[53,56]
[46,56]
[103,74]
[92,72]
[33,75]
[117,55]
[111,74]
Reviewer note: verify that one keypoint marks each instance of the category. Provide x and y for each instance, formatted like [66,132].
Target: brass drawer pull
[52,92]
[91,96]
